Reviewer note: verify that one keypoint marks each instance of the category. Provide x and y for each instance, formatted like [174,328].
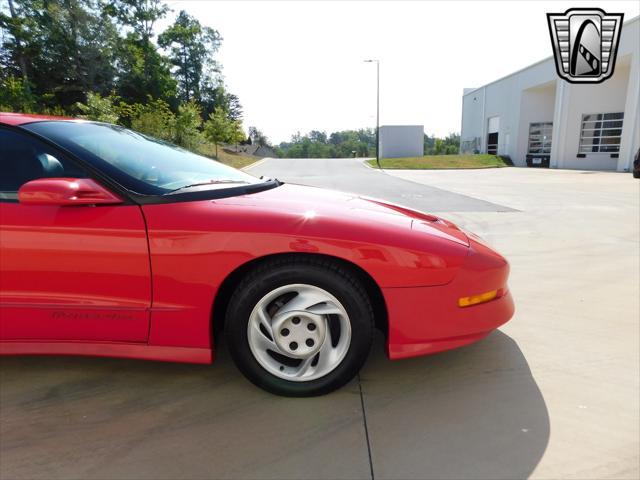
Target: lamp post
[377,62]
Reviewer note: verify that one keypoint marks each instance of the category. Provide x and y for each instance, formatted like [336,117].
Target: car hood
[340,209]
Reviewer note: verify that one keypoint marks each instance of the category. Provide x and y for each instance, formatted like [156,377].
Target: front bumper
[425,320]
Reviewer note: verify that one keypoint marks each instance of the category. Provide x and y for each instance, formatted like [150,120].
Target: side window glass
[23,159]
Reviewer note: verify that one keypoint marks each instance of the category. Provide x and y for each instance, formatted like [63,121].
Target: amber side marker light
[482,298]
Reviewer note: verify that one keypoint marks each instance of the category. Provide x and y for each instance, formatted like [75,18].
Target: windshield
[140,163]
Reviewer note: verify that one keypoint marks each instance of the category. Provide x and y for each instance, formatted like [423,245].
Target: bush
[187,126]
[98,108]
[155,119]
[15,96]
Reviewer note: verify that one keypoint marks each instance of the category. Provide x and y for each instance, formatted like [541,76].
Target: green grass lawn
[441,161]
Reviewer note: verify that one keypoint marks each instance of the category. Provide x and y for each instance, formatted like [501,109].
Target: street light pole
[377,62]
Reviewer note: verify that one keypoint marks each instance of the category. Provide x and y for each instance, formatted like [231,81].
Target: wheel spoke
[263,342]
[265,321]
[305,367]
[327,353]
[302,301]
[326,308]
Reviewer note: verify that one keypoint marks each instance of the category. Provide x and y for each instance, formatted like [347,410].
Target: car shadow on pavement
[102,418]
[471,413]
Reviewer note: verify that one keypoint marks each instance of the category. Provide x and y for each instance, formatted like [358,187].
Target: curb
[255,164]
[364,162]
[441,169]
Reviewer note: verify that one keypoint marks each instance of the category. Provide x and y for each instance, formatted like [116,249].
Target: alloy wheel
[299,332]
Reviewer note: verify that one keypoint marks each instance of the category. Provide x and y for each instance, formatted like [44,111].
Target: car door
[73,273]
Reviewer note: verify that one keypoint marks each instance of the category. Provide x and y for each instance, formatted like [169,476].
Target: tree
[98,59]
[337,144]
[142,70]
[60,48]
[452,142]
[317,136]
[335,138]
[438,148]
[15,96]
[258,138]
[191,49]
[187,126]
[234,108]
[14,25]
[236,133]
[154,118]
[139,15]
[442,146]
[214,95]
[428,144]
[218,128]
[362,150]
[98,108]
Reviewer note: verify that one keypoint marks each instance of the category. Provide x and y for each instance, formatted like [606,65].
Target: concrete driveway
[554,394]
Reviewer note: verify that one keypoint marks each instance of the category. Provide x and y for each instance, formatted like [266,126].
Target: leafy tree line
[102,60]
[349,143]
[316,144]
[442,146]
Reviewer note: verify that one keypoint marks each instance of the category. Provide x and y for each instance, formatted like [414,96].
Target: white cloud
[299,65]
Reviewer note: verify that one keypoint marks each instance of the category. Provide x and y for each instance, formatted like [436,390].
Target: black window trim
[132,198]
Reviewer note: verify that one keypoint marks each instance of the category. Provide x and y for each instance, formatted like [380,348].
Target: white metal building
[534,112]
[401,141]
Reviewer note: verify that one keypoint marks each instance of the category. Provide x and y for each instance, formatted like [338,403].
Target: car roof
[8,118]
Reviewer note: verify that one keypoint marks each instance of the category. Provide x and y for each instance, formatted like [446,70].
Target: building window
[601,132]
[540,138]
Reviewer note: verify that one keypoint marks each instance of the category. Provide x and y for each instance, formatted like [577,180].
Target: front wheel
[299,327]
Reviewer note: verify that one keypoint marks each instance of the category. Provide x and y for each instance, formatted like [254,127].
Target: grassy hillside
[441,161]
[235,160]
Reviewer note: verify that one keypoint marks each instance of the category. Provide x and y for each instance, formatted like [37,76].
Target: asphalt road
[553,394]
[351,175]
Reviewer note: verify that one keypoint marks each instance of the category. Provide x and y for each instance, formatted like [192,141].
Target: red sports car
[113,243]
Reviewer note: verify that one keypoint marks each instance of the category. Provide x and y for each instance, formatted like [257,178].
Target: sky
[299,65]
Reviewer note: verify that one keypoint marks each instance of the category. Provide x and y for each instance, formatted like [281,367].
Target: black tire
[321,273]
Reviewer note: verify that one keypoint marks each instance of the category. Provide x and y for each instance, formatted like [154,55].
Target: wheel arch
[229,284]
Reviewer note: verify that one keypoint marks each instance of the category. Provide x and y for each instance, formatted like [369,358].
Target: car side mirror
[66,192]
